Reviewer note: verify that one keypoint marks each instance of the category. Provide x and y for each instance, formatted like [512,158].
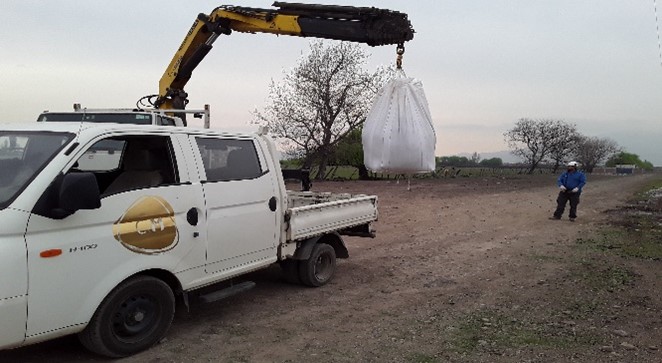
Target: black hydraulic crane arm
[372,26]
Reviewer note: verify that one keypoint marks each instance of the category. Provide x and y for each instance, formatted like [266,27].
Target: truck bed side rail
[316,219]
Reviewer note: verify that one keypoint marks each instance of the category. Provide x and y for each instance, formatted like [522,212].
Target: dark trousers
[563,199]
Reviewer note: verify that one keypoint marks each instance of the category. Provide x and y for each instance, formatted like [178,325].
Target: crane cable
[657,26]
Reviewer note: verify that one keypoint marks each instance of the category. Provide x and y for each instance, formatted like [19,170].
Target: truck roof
[99,128]
[123,116]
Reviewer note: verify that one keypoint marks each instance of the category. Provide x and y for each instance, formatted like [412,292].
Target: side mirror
[79,191]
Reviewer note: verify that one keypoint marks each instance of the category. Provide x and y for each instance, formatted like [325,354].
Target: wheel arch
[166,276]
[95,300]
[333,239]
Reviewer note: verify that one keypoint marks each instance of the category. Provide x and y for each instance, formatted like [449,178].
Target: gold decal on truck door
[148,226]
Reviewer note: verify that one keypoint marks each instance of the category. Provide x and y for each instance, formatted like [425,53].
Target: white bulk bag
[398,135]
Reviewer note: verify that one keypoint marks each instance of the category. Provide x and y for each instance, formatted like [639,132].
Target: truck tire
[132,318]
[319,268]
[291,271]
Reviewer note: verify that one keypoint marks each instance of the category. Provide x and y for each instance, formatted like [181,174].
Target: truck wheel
[133,317]
[319,268]
[291,271]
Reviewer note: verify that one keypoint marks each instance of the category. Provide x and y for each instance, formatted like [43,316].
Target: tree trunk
[363,172]
[532,168]
[323,161]
[556,167]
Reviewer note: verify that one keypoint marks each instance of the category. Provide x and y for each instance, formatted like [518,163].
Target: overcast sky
[484,64]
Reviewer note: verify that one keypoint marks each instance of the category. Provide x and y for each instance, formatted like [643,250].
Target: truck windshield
[120,118]
[22,156]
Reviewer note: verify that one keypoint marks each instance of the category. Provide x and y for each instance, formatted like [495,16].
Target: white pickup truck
[103,249]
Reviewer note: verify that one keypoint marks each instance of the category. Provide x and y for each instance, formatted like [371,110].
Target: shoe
[572,219]
[555,218]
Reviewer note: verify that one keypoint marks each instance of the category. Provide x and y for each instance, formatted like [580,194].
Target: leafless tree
[538,140]
[591,151]
[564,144]
[323,98]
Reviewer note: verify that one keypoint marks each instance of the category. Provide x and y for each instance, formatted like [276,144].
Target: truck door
[145,222]
[13,278]
[23,156]
[241,204]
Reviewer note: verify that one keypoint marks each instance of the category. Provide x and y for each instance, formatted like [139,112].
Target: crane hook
[399,50]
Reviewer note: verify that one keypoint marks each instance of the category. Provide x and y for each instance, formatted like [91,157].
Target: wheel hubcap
[323,268]
[135,318]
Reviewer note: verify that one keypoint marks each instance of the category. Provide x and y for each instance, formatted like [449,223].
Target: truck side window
[130,162]
[229,159]
[103,156]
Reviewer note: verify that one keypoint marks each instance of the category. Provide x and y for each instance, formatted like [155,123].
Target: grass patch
[584,310]
[644,194]
[635,230]
[600,278]
[493,333]
[641,239]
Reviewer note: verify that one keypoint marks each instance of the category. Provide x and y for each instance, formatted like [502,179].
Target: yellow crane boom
[367,25]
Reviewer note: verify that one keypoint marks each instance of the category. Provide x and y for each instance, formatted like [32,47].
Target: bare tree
[564,145]
[323,98]
[591,151]
[536,140]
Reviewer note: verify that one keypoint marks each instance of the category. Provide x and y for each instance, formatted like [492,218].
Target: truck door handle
[192,216]
[273,204]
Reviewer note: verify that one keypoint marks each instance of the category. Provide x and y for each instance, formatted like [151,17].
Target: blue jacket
[576,179]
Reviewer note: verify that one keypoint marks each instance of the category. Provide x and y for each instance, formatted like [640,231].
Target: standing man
[570,183]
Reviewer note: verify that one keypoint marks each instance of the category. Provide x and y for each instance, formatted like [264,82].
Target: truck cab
[101,248]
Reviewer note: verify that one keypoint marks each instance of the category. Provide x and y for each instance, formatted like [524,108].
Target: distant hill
[505,155]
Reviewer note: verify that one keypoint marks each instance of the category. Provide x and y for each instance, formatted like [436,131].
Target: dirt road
[461,270]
